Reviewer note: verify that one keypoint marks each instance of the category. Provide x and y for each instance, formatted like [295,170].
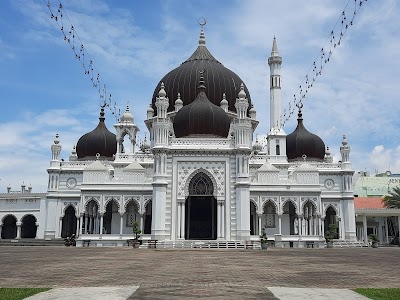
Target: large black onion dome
[201,117]
[100,140]
[184,80]
[302,142]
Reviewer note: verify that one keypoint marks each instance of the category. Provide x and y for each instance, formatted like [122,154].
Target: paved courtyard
[162,274]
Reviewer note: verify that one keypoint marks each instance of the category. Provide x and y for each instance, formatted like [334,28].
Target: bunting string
[59,15]
[344,22]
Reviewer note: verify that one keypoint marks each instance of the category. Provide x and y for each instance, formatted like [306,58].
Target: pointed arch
[8,215]
[66,207]
[272,202]
[89,199]
[293,201]
[196,172]
[254,201]
[333,207]
[131,200]
[110,199]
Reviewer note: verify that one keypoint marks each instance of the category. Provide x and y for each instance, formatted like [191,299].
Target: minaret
[345,152]
[275,62]
[276,139]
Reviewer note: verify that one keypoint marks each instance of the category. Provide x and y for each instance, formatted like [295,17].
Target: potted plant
[263,239]
[374,239]
[136,232]
[330,235]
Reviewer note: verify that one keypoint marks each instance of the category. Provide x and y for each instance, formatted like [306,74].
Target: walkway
[186,274]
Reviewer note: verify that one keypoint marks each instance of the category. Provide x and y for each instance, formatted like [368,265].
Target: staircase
[348,244]
[31,242]
[203,244]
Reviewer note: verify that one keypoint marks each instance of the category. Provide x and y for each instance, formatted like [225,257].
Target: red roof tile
[368,202]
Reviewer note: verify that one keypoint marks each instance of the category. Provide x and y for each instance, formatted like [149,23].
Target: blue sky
[135,43]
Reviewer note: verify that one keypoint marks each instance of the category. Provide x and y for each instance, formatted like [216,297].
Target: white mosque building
[201,176]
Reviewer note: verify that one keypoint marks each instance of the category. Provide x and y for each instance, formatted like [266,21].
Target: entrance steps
[31,242]
[205,244]
[348,244]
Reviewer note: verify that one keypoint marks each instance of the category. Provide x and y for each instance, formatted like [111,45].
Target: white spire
[274,51]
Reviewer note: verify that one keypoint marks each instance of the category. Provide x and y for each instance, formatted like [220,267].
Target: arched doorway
[28,227]
[330,218]
[201,209]
[111,218]
[68,227]
[147,218]
[309,214]
[289,219]
[9,230]
[253,219]
[91,221]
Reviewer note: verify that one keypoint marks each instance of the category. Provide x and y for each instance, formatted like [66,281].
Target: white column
[341,237]
[81,223]
[315,227]
[365,229]
[386,230]
[1,227]
[179,220]
[121,225]
[223,220]
[259,223]
[142,222]
[323,226]
[18,230]
[219,220]
[101,224]
[77,226]
[60,226]
[86,223]
[183,219]
[280,223]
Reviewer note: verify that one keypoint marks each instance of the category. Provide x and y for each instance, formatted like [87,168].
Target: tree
[393,199]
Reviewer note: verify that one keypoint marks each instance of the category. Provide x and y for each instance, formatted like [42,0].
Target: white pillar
[121,225]
[1,227]
[60,226]
[259,215]
[179,220]
[315,227]
[223,220]
[142,222]
[341,237]
[86,223]
[323,226]
[386,230]
[219,219]
[183,219]
[18,230]
[365,229]
[81,223]
[280,223]
[101,224]
[77,226]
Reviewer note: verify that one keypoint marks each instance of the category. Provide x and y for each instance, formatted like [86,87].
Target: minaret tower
[275,62]
[277,137]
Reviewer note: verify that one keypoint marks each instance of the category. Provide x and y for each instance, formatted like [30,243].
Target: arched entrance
[28,227]
[330,218]
[68,222]
[9,230]
[147,219]
[111,218]
[289,219]
[201,209]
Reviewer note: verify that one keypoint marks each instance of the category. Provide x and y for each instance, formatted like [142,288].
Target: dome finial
[102,118]
[202,21]
[202,86]
[300,115]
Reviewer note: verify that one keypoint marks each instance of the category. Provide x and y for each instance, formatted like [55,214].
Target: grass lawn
[380,294]
[19,293]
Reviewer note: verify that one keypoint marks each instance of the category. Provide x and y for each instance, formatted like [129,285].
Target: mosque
[202,176]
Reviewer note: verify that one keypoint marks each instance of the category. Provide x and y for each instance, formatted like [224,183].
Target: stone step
[31,242]
[204,244]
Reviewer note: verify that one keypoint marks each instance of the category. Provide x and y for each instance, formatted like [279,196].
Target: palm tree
[393,199]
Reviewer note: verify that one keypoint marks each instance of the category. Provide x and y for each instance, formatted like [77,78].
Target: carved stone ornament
[329,184]
[215,170]
[71,183]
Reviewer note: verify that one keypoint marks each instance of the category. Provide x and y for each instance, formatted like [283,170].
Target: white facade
[189,188]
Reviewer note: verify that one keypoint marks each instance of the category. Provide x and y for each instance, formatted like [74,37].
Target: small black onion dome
[100,140]
[201,117]
[184,80]
[302,142]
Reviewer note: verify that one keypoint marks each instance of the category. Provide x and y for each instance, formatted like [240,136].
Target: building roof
[368,203]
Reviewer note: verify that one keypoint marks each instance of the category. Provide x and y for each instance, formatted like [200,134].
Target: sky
[133,44]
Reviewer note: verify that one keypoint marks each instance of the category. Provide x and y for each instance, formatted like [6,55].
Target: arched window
[201,184]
